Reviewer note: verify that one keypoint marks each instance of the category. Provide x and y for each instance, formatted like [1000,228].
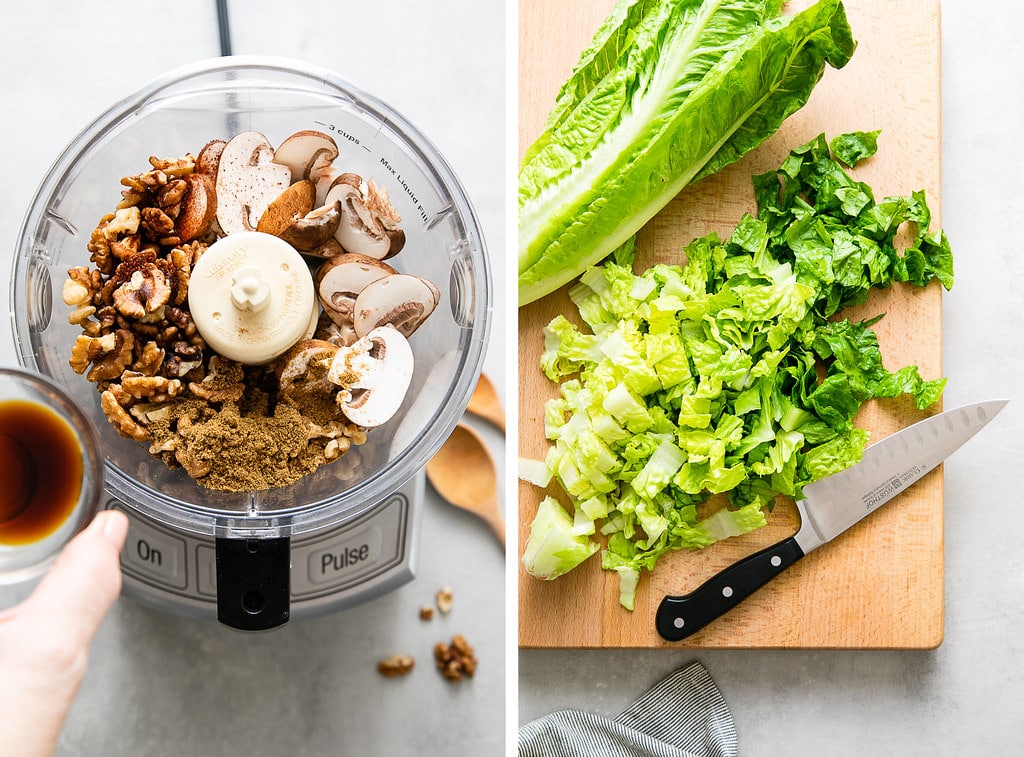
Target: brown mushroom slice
[198,207]
[293,203]
[403,301]
[329,249]
[314,229]
[209,157]
[304,368]
[307,153]
[340,280]
[247,181]
[374,374]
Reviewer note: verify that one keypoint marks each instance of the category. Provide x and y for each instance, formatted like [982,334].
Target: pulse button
[346,559]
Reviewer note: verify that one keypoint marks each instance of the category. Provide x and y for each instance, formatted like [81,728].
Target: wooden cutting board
[880,585]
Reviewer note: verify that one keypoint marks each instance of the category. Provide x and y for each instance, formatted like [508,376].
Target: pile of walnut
[158,378]
[456,660]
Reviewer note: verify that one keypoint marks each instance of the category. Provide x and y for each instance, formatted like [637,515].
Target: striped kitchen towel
[682,716]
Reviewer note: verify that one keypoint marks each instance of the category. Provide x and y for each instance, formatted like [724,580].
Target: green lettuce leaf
[668,92]
[552,549]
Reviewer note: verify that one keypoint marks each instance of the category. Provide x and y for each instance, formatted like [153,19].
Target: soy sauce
[40,472]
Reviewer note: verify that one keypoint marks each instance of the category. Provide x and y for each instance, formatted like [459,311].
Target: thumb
[83,583]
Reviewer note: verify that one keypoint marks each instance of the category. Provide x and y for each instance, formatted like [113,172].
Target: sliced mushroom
[329,249]
[293,203]
[335,334]
[304,368]
[361,229]
[379,203]
[374,375]
[308,154]
[402,301]
[247,181]
[209,157]
[314,229]
[340,280]
[198,207]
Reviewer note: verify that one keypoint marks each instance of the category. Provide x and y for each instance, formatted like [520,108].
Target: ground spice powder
[245,453]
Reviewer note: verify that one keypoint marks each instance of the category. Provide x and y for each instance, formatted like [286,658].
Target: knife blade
[828,508]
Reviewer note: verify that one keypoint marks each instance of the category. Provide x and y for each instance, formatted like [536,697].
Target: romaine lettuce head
[668,92]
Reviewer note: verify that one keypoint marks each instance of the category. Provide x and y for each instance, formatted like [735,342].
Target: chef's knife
[827,509]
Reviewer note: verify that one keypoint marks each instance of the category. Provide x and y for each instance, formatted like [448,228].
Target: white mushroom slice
[433,290]
[323,186]
[340,280]
[247,181]
[338,335]
[361,229]
[379,203]
[374,375]
[402,301]
[308,154]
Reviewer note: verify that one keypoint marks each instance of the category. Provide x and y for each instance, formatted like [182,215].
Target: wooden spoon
[486,404]
[463,472]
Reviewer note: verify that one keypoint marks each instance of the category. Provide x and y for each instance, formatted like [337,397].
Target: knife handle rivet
[678,622]
[776,561]
[727,591]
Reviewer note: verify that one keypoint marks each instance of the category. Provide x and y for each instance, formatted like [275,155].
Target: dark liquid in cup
[40,472]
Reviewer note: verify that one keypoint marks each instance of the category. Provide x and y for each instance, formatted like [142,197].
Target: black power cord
[223,27]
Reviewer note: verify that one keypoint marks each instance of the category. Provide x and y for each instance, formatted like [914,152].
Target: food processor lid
[253,92]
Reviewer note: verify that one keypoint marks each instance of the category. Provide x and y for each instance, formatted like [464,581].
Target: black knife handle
[679,617]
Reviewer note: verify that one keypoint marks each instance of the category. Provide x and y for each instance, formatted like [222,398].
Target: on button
[155,555]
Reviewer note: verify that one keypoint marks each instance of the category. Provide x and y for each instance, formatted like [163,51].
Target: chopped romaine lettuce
[730,375]
[553,549]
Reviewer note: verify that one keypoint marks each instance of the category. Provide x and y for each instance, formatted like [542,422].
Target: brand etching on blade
[884,491]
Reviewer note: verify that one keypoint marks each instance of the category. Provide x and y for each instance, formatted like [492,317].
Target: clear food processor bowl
[179,114]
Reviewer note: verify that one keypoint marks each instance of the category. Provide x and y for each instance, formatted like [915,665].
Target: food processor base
[332,569]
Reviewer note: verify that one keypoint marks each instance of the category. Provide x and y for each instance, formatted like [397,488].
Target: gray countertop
[966,696]
[160,684]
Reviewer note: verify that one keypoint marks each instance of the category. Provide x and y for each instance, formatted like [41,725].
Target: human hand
[44,641]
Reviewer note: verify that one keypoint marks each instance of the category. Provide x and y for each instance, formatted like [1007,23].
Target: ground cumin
[251,452]
[258,442]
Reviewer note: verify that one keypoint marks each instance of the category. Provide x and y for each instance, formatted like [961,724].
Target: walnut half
[145,292]
[109,355]
[396,665]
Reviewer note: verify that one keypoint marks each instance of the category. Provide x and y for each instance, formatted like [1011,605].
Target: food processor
[347,532]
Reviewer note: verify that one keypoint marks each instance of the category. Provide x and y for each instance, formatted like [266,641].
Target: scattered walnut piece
[154,388]
[396,665]
[121,419]
[426,612]
[455,660]
[444,599]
